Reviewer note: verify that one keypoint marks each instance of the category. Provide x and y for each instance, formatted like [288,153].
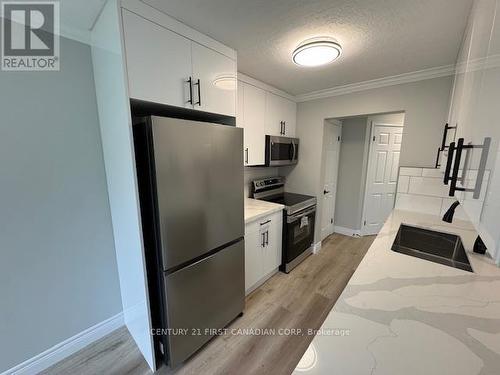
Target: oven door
[281,151]
[299,233]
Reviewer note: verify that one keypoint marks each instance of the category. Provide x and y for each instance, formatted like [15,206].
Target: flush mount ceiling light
[316,52]
[225,82]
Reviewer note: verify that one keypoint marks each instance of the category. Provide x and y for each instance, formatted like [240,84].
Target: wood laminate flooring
[299,300]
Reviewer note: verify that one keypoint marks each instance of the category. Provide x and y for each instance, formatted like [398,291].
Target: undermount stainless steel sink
[437,247]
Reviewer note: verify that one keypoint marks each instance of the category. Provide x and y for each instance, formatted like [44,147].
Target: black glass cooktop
[288,199]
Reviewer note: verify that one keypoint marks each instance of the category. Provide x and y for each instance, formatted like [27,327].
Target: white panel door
[158,62]
[333,134]
[254,106]
[214,81]
[382,176]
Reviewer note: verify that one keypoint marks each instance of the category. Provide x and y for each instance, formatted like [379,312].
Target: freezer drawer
[199,174]
[205,295]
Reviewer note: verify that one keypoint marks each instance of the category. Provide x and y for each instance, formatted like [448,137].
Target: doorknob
[326,192]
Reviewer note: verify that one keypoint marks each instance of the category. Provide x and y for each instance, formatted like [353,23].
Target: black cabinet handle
[437,158]
[263,243]
[198,83]
[265,222]
[449,162]
[246,155]
[480,173]
[445,136]
[284,127]
[456,167]
[267,238]
[190,81]
[326,192]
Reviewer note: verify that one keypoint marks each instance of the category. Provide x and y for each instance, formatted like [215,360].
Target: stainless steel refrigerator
[191,190]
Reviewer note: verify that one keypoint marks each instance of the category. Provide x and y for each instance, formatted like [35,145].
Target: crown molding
[482,63]
[420,75]
[264,86]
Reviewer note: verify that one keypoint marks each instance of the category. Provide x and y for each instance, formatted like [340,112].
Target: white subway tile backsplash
[428,186]
[432,172]
[419,203]
[410,171]
[403,184]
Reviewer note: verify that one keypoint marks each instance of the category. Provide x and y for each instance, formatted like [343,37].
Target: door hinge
[374,138]
[331,221]
[338,138]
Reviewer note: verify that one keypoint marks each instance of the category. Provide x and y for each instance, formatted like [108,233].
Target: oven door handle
[300,215]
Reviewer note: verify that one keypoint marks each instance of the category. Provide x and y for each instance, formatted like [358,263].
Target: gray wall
[350,185]
[58,272]
[425,104]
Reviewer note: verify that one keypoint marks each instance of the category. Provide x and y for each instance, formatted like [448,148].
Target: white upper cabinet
[215,81]
[280,116]
[240,113]
[253,110]
[158,62]
[476,113]
[261,113]
[166,66]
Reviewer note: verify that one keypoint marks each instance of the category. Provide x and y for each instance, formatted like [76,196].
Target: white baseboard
[67,347]
[347,231]
[317,247]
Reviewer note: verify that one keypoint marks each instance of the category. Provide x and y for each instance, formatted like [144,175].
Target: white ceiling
[380,38]
[79,14]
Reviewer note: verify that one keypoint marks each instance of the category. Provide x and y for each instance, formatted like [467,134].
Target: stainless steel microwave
[281,151]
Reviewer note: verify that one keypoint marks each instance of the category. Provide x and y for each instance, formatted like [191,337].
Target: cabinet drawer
[254,226]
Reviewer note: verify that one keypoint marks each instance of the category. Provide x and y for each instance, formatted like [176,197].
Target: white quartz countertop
[256,209]
[404,315]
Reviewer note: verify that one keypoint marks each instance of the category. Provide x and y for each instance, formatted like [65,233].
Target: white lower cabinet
[262,249]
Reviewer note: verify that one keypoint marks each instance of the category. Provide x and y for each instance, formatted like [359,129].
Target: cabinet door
[272,250]
[276,107]
[240,110]
[253,259]
[158,62]
[290,118]
[254,107]
[216,90]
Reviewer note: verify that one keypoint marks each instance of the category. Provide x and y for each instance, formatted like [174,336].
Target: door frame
[337,123]
[373,124]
